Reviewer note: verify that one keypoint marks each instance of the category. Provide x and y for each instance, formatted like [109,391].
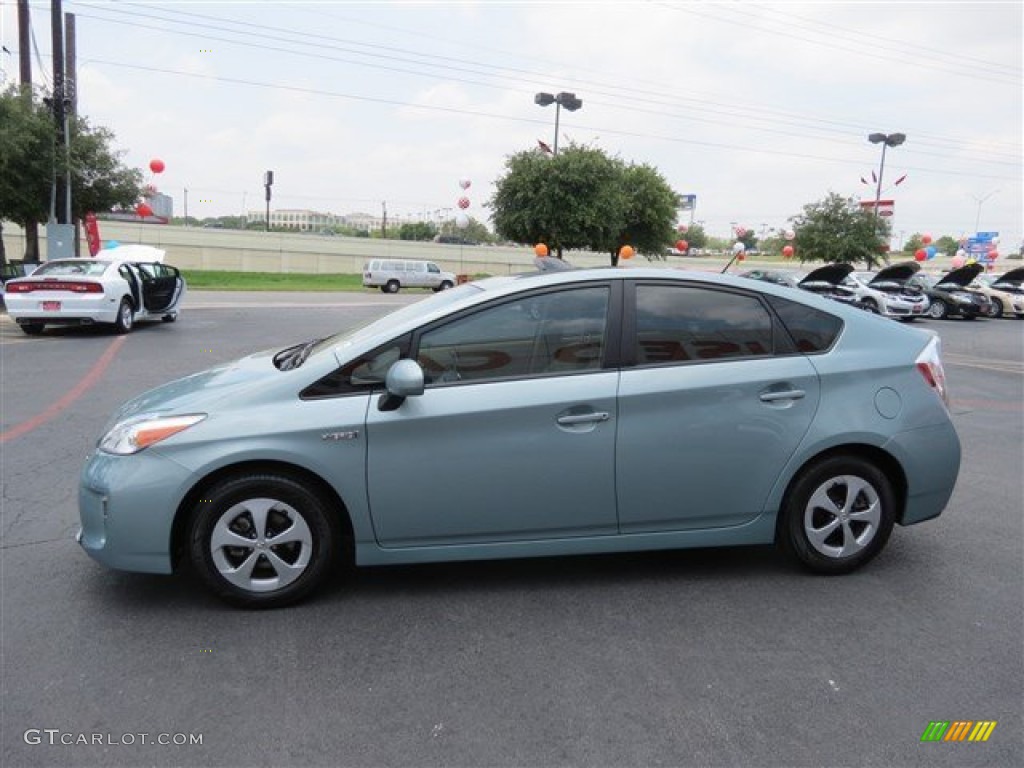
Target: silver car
[559,413]
[887,291]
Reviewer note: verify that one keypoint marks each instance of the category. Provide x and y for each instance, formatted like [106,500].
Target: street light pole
[886,140]
[980,201]
[564,99]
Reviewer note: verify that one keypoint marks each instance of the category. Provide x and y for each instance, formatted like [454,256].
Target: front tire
[125,317]
[392,286]
[938,310]
[995,309]
[838,515]
[871,306]
[262,540]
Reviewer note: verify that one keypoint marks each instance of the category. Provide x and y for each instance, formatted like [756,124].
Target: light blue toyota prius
[556,413]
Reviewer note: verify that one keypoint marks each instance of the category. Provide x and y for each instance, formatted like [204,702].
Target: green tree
[417,230]
[913,243]
[836,229]
[947,245]
[695,236]
[649,213]
[571,200]
[26,164]
[99,181]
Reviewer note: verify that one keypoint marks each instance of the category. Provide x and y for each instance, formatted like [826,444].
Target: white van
[390,275]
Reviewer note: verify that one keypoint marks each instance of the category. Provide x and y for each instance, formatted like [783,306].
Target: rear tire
[32,329]
[837,515]
[232,539]
[169,318]
[996,309]
[392,286]
[125,317]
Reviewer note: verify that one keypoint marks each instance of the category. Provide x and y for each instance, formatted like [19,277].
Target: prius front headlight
[139,432]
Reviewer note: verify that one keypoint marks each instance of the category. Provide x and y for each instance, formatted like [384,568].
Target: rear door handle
[583,418]
[789,394]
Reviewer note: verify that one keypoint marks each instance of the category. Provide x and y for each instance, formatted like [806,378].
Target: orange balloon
[540,249]
[626,252]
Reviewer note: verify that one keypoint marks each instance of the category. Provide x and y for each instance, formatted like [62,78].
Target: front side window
[365,373]
[551,333]
[689,323]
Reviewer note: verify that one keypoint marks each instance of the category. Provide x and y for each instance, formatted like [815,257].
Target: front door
[514,437]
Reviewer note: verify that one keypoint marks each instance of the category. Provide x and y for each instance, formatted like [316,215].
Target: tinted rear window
[812,330]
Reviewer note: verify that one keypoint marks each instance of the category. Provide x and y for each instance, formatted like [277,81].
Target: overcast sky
[757,108]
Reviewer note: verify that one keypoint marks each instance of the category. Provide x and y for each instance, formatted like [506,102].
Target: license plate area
[51,306]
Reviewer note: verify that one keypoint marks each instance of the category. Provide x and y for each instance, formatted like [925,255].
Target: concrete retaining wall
[246,251]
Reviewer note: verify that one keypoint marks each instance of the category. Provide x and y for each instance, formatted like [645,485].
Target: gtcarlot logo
[54,737]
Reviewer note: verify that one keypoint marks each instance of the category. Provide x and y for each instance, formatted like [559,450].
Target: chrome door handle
[790,394]
[583,418]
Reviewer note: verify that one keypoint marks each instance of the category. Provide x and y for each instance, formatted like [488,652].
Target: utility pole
[71,110]
[25,72]
[384,221]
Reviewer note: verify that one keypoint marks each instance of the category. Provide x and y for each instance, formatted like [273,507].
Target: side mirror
[404,379]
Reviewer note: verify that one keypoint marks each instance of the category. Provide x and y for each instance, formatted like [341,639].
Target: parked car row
[903,292]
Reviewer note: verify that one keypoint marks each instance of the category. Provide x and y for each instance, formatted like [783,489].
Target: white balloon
[995,241]
[462,221]
[790,234]
[738,248]
[465,183]
[961,254]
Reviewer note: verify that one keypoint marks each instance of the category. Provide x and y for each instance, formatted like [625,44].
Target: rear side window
[687,323]
[811,329]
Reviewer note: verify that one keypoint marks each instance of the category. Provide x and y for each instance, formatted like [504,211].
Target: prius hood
[199,391]
[897,272]
[830,273]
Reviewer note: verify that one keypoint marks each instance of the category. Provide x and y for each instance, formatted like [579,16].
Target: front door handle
[789,394]
[583,418]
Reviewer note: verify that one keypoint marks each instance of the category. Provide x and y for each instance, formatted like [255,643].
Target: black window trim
[402,342]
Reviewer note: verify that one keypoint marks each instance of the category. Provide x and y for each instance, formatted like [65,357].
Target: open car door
[162,287]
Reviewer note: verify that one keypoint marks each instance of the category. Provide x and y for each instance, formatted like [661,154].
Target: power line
[788,118]
[532,121]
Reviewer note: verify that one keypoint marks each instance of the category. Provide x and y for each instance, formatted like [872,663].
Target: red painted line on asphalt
[94,375]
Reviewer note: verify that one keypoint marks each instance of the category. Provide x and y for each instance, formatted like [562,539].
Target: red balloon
[682,245]
[993,254]
[463,203]
[143,210]
[741,256]
[926,239]
[787,251]
[156,165]
[920,254]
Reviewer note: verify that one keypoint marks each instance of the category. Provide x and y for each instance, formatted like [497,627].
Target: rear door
[714,404]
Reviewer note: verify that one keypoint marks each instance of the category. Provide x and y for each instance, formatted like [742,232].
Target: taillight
[929,363]
[54,285]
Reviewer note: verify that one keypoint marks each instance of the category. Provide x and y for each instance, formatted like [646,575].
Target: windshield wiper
[294,356]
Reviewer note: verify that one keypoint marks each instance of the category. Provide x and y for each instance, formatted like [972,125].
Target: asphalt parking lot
[711,657]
